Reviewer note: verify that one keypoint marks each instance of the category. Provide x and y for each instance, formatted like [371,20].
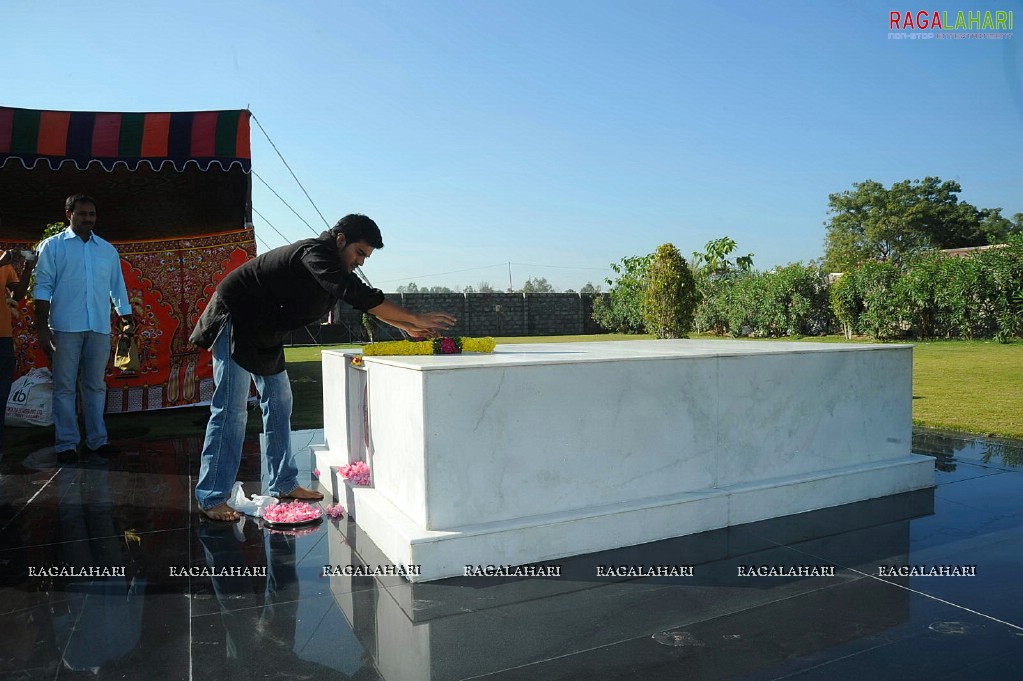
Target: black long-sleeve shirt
[278,292]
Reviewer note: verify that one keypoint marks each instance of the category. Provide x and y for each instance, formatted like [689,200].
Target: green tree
[51,229]
[669,297]
[537,285]
[714,259]
[589,288]
[715,272]
[872,222]
[998,229]
[410,287]
[846,302]
[619,310]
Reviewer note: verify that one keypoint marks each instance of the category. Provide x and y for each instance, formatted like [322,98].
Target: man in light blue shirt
[77,278]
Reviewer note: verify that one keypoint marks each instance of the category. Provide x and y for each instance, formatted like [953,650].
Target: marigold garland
[446,345]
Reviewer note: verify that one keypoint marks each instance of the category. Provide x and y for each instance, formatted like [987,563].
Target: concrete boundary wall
[478,314]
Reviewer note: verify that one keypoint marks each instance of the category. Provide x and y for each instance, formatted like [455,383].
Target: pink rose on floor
[316,472]
[336,511]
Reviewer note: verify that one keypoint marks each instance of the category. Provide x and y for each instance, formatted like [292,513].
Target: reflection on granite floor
[108,572]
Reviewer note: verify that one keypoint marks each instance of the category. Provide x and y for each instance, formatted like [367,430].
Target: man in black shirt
[244,326]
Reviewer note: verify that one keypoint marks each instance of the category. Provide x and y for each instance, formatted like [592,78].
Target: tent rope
[271,225]
[358,270]
[274,191]
[295,177]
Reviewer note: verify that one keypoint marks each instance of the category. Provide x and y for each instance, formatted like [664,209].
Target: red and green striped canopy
[87,138]
[153,175]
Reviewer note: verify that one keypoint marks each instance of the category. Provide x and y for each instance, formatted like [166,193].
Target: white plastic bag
[253,506]
[31,400]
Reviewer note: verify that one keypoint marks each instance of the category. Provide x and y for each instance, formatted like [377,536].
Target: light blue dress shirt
[80,279]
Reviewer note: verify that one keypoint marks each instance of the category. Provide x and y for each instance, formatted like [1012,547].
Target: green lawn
[970,386]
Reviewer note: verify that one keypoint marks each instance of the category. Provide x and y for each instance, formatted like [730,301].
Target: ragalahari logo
[954,24]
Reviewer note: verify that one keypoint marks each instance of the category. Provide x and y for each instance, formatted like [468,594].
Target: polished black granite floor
[160,613]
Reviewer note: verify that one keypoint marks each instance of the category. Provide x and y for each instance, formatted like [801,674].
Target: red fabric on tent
[169,283]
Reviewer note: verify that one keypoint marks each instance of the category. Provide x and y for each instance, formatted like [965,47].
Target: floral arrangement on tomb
[446,345]
[290,513]
[356,472]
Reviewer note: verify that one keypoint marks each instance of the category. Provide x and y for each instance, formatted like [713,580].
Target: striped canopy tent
[173,195]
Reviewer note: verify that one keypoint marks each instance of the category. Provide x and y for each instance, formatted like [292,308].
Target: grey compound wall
[478,314]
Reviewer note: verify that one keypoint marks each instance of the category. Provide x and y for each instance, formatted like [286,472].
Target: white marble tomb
[546,450]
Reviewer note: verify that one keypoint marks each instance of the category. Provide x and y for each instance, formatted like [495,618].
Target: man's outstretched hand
[430,325]
[425,325]
[433,324]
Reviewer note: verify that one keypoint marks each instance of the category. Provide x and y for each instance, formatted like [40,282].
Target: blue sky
[555,135]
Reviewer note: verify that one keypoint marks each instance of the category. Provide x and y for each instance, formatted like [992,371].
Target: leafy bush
[932,295]
[712,312]
[963,298]
[670,297]
[882,315]
[1005,276]
[846,302]
[789,301]
[918,289]
[936,296]
[619,310]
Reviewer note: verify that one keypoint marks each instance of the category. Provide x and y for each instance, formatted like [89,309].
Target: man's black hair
[75,199]
[357,227]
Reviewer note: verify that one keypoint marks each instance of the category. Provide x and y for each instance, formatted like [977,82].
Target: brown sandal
[221,513]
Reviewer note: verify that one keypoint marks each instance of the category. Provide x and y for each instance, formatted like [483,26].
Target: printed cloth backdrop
[173,195]
[169,283]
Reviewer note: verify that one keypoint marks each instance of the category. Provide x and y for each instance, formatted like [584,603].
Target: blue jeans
[6,378]
[225,433]
[85,353]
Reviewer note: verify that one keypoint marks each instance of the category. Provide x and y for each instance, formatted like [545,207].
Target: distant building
[969,250]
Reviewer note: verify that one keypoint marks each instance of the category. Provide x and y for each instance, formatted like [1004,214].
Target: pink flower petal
[294,512]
